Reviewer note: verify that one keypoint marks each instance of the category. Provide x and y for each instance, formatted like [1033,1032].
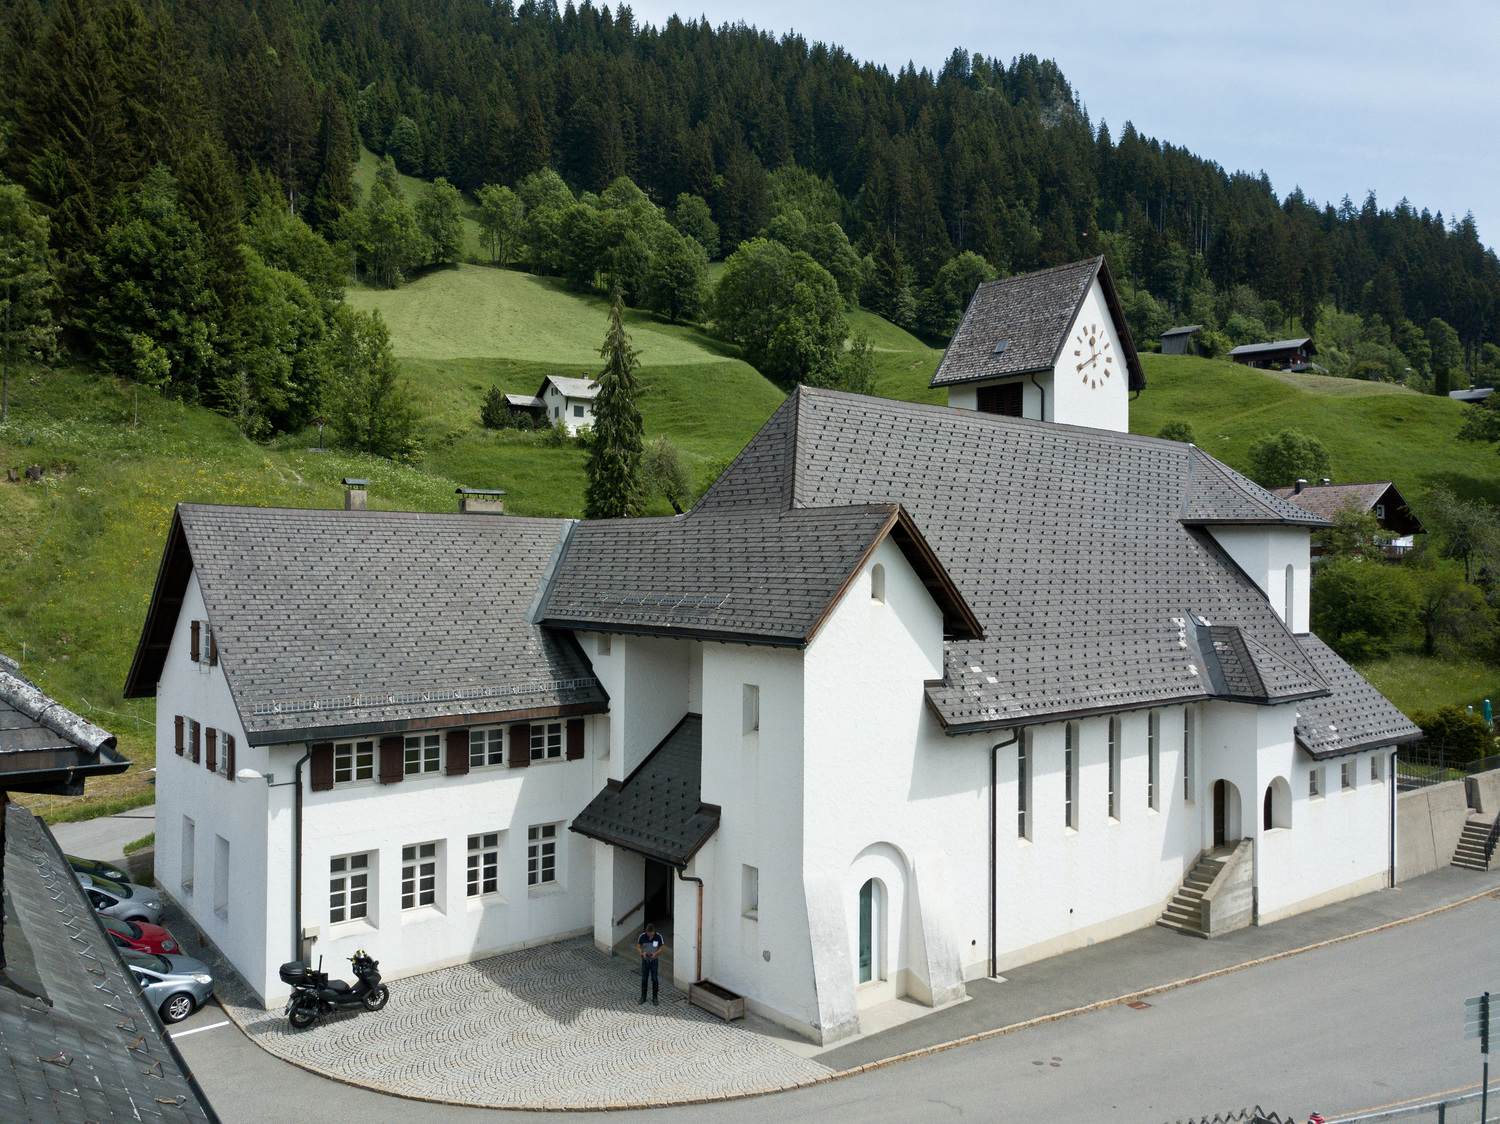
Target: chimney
[480,501]
[1327,480]
[354,494]
[1301,483]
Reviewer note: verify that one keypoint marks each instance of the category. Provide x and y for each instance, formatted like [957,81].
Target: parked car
[139,935]
[175,985]
[97,869]
[121,899]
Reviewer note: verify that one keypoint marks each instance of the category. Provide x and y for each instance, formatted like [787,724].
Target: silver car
[175,985]
[124,900]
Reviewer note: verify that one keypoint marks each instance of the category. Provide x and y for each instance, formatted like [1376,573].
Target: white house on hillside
[560,399]
[913,695]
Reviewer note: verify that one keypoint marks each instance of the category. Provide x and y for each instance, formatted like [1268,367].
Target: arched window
[871,906]
[877,583]
[1276,809]
[1290,578]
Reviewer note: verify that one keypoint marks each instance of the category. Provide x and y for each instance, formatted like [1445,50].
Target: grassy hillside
[364,179]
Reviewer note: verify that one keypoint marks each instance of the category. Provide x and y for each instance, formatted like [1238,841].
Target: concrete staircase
[1185,913]
[1470,852]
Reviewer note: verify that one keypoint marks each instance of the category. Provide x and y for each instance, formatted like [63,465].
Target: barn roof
[1275,347]
[1018,325]
[1185,330]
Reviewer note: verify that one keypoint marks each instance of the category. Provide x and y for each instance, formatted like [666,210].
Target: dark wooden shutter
[322,766]
[392,768]
[178,723]
[520,747]
[229,769]
[213,650]
[575,739]
[195,648]
[458,752]
[1004,400]
[211,748]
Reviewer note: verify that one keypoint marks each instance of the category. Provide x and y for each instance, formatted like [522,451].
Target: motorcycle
[315,995]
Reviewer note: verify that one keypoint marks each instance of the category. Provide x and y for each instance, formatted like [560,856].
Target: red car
[138,935]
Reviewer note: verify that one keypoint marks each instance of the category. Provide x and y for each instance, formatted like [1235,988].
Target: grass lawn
[1416,682]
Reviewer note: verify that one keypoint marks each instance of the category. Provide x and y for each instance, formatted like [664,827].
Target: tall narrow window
[1189,753]
[1114,768]
[189,845]
[484,864]
[348,887]
[418,875]
[877,583]
[1023,787]
[221,877]
[1153,758]
[541,854]
[1070,775]
[1290,577]
[750,705]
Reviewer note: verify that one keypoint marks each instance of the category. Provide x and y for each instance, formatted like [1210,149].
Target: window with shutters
[424,753]
[541,854]
[1004,399]
[484,864]
[487,747]
[348,888]
[419,866]
[195,737]
[546,741]
[353,761]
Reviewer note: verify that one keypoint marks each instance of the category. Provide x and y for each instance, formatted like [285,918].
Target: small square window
[1375,777]
[353,761]
[348,887]
[546,741]
[541,854]
[484,864]
[418,875]
[578,411]
[486,747]
[423,753]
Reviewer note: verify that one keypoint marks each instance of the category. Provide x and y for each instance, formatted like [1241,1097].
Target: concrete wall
[1429,822]
[1483,790]
[1229,903]
[1264,553]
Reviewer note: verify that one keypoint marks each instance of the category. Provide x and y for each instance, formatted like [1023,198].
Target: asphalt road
[1368,1022]
[104,838]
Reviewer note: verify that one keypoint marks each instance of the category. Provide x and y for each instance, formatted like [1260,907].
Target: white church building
[913,695]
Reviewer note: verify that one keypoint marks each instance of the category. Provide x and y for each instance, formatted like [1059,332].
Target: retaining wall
[1429,822]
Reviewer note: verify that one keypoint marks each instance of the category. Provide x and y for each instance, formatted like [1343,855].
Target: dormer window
[1004,399]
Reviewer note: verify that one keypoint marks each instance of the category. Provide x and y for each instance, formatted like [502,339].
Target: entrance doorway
[658,895]
[1226,814]
[1221,812]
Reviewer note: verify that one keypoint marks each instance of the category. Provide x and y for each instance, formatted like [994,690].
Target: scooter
[315,995]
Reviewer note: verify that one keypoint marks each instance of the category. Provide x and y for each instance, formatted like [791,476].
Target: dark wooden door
[1221,811]
[658,892]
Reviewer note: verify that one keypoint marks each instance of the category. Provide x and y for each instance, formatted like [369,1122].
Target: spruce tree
[334,193]
[614,464]
[26,286]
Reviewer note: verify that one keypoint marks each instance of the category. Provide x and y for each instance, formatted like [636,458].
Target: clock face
[1093,358]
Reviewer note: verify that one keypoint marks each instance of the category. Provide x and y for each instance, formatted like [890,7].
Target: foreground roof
[765,576]
[337,622]
[1030,315]
[1072,546]
[44,746]
[658,810]
[1354,716]
[89,1047]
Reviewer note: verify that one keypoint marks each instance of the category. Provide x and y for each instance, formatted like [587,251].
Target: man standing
[650,944]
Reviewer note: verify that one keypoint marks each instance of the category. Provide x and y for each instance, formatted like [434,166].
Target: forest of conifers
[982,156]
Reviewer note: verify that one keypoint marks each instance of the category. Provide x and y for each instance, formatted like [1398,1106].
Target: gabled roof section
[759,576]
[658,811]
[1185,330]
[330,623]
[570,387]
[44,746]
[1018,325]
[1353,717]
[1324,500]
[1218,494]
[1068,544]
[1274,348]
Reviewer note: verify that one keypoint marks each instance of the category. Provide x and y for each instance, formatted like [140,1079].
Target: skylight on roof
[1001,346]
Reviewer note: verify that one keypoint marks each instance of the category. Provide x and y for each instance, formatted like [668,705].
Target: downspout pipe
[994,841]
[1040,390]
[297,859]
[1390,783]
[698,978]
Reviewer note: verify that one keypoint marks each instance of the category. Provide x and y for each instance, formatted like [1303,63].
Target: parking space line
[199,1029]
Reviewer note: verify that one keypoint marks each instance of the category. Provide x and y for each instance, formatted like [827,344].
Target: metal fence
[1462,1109]
[1423,764]
[1256,1115]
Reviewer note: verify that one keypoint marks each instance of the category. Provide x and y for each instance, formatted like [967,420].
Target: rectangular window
[1375,775]
[353,761]
[195,739]
[484,864]
[1070,774]
[1114,768]
[1153,758]
[750,698]
[604,644]
[1189,752]
[348,888]
[546,741]
[418,875]
[578,411]
[750,892]
[1023,787]
[1005,400]
[423,753]
[189,844]
[221,877]
[541,854]
[1346,775]
[1314,783]
[487,747]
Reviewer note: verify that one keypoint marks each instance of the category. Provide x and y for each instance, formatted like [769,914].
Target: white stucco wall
[575,413]
[1264,553]
[966,396]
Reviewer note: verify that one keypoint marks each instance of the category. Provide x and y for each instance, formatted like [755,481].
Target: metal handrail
[1491,840]
[631,911]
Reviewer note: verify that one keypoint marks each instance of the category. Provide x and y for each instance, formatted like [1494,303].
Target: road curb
[909,1055]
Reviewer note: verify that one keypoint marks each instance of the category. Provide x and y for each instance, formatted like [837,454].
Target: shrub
[1177,430]
[1280,459]
[1462,735]
[494,413]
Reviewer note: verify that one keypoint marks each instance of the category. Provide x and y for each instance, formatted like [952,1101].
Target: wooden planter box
[716,1000]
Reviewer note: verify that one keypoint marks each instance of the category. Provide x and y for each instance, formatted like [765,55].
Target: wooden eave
[161,617]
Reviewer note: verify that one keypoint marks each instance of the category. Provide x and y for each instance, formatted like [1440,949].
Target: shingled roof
[766,576]
[1354,717]
[658,811]
[44,746]
[1030,315]
[1071,546]
[342,622]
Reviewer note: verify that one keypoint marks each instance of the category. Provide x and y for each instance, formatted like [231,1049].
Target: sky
[1339,97]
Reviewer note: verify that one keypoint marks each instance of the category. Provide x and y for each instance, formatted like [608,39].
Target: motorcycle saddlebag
[294,973]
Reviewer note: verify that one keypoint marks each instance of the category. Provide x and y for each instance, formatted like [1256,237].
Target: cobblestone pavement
[550,1027]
